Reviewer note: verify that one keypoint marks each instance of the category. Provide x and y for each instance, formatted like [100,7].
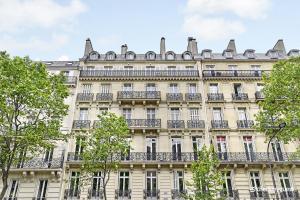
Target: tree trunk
[5,185]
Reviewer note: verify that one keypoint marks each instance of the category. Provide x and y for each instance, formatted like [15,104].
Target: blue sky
[57,29]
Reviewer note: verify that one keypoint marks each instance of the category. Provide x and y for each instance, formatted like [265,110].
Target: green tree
[282,101]
[104,148]
[31,111]
[207,180]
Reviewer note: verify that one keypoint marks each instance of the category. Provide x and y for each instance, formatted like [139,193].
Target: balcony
[196,124]
[70,80]
[151,194]
[219,124]
[139,74]
[72,194]
[233,74]
[178,194]
[240,97]
[10,198]
[95,194]
[289,194]
[193,98]
[144,123]
[245,124]
[123,194]
[174,97]
[85,97]
[230,194]
[139,96]
[81,124]
[215,97]
[104,97]
[175,124]
[39,198]
[259,194]
[259,96]
[40,163]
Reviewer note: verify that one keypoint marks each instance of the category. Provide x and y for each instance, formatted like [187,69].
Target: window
[150,67]
[150,55]
[228,54]
[128,67]
[175,114]
[74,184]
[105,88]
[21,159]
[96,185]
[222,147]
[194,113]
[190,67]
[176,148]
[242,114]
[110,56]
[127,87]
[227,185]
[171,67]
[151,184]
[150,87]
[66,73]
[87,88]
[108,67]
[124,184]
[48,156]
[213,88]
[151,112]
[94,56]
[187,56]
[13,191]
[127,113]
[170,56]
[192,88]
[178,181]
[207,55]
[197,143]
[259,87]
[78,148]
[173,88]
[130,56]
[249,147]
[102,110]
[277,150]
[151,148]
[255,184]
[217,114]
[42,190]
[233,69]
[285,185]
[83,114]
[256,70]
[237,88]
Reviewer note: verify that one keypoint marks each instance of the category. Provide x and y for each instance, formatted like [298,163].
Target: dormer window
[293,53]
[150,55]
[94,56]
[130,56]
[187,55]
[250,53]
[110,55]
[170,55]
[206,54]
[228,54]
[273,54]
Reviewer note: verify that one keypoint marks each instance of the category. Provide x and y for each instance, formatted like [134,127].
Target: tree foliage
[207,180]
[282,100]
[31,111]
[104,147]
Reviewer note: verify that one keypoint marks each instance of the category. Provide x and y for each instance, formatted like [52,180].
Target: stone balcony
[40,163]
[104,97]
[174,98]
[195,124]
[123,194]
[259,96]
[70,194]
[151,194]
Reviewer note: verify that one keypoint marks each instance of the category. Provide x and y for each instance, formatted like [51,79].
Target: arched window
[170,55]
[130,55]
[150,55]
[110,55]
[94,55]
[187,55]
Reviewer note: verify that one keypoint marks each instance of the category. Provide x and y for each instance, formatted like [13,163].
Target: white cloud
[63,58]
[16,15]
[208,19]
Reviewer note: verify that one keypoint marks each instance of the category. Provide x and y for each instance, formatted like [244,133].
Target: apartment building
[174,104]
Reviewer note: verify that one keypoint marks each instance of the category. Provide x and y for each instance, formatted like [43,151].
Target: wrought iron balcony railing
[10,198]
[152,194]
[259,95]
[123,194]
[135,95]
[196,124]
[240,97]
[81,124]
[39,198]
[144,123]
[289,194]
[72,194]
[219,124]
[224,157]
[177,194]
[95,194]
[175,124]
[174,97]
[215,97]
[139,73]
[259,194]
[233,73]
[229,194]
[245,124]
[193,97]
[70,80]
[40,163]
[104,97]
[85,97]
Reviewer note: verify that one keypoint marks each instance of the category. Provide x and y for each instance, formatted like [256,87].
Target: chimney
[163,47]
[195,47]
[190,44]
[231,46]
[279,46]
[88,47]
[124,49]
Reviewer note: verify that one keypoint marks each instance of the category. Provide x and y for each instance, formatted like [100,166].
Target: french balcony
[10,198]
[39,198]
[174,97]
[151,194]
[70,80]
[104,97]
[139,96]
[240,97]
[144,123]
[40,163]
[245,124]
[193,97]
[215,97]
[229,194]
[233,74]
[95,194]
[175,124]
[72,194]
[259,194]
[289,194]
[123,194]
[196,124]
[219,124]
[178,194]
[259,96]
[81,124]
[139,74]
[85,97]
